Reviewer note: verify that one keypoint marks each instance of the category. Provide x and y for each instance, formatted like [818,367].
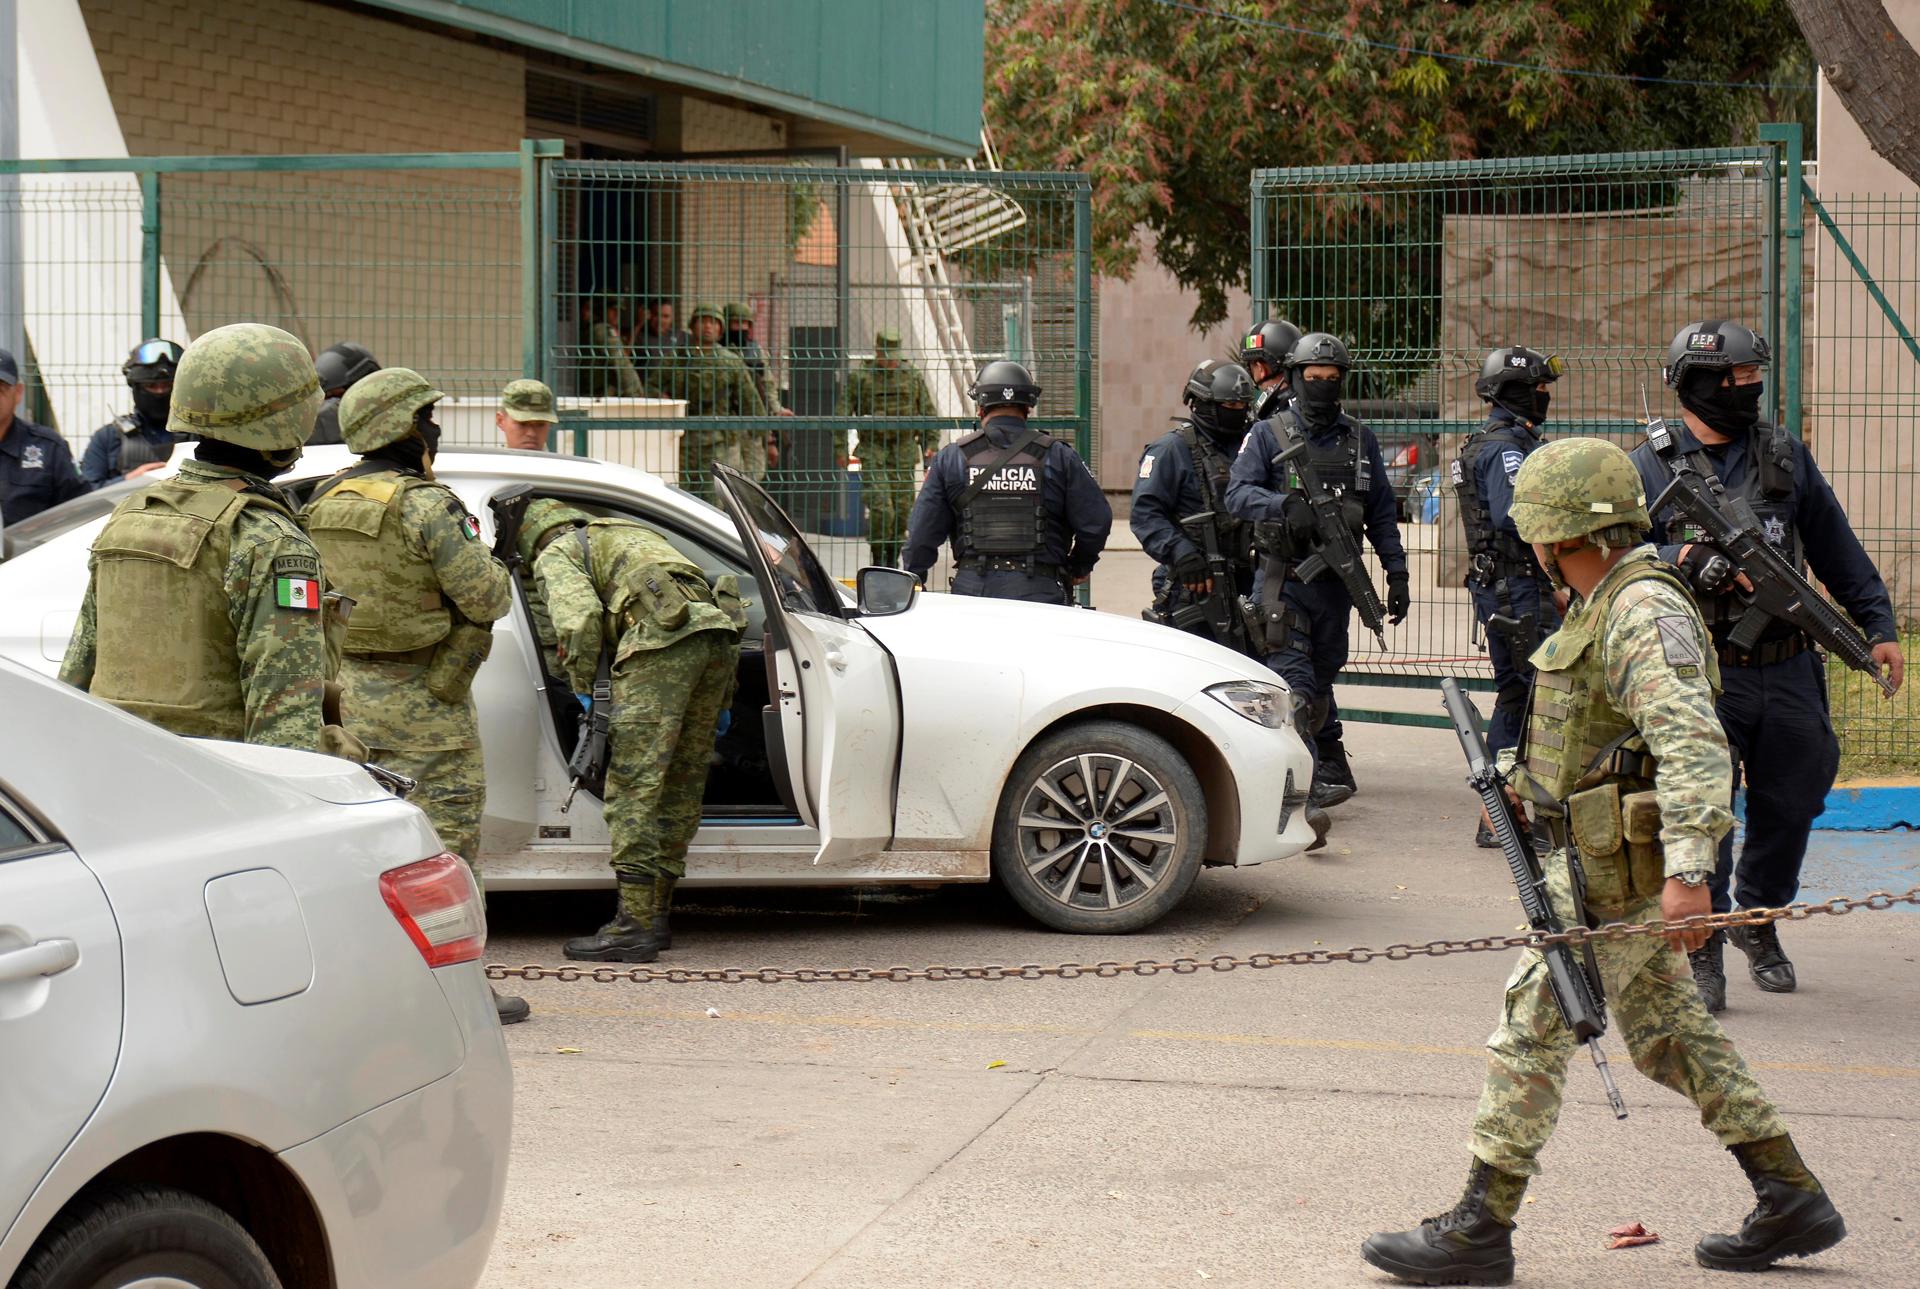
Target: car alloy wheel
[1097,831]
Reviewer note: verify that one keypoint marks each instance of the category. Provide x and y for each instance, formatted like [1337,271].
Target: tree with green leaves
[1168,105]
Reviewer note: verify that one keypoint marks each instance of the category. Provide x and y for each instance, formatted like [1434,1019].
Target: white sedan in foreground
[1092,764]
[246,1038]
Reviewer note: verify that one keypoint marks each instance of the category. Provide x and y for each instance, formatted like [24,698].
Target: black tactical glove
[1190,568]
[1707,568]
[1399,598]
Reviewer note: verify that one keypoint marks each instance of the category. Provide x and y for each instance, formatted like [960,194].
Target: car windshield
[803,583]
[31,534]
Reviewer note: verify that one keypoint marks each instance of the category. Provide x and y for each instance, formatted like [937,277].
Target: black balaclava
[1224,425]
[152,408]
[266,465]
[1524,401]
[1731,410]
[1317,401]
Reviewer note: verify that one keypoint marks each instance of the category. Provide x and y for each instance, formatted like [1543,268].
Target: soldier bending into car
[672,645]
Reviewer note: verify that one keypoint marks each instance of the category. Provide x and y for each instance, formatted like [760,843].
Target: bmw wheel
[1101,829]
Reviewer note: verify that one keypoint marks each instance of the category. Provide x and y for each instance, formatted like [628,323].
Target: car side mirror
[884,592]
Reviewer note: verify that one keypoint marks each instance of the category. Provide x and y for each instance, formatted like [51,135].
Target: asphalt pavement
[1248,1128]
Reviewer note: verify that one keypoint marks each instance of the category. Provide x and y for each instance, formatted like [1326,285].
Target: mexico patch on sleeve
[1678,641]
[470,526]
[296,593]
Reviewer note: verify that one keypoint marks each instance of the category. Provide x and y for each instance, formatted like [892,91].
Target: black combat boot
[1470,1244]
[1766,962]
[630,936]
[1321,823]
[662,906]
[1483,837]
[1333,778]
[1794,1218]
[1710,972]
[511,1009]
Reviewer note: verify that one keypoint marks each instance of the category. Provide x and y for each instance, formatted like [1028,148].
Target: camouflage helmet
[542,517]
[247,384]
[706,310]
[1573,487]
[738,312]
[379,409]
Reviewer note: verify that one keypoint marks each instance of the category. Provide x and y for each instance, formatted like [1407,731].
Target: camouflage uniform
[753,443]
[610,371]
[675,643]
[204,609]
[889,455]
[426,592]
[714,382]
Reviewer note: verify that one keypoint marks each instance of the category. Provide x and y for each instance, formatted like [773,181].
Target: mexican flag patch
[470,526]
[297,593]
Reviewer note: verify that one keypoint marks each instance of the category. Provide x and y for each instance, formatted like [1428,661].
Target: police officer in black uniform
[1026,519]
[1263,351]
[36,466]
[124,444]
[341,367]
[1183,474]
[1311,644]
[1773,698]
[1511,601]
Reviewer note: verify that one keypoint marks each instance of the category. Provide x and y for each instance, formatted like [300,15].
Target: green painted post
[1770,268]
[149,253]
[1083,334]
[1257,266]
[531,346]
[1792,272]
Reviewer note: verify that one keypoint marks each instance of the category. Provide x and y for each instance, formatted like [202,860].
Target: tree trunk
[1873,69]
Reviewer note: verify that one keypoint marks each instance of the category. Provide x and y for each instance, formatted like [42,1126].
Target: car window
[57,521]
[18,839]
[804,584]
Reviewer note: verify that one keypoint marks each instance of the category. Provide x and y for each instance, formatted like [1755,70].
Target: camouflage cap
[528,401]
[1572,487]
[887,338]
[380,409]
[248,384]
[737,312]
[707,311]
[542,516]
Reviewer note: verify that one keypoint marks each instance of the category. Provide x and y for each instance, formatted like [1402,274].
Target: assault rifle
[509,509]
[1779,590]
[588,764]
[1339,548]
[1219,609]
[1575,983]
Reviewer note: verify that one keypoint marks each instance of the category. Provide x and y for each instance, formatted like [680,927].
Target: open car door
[849,690]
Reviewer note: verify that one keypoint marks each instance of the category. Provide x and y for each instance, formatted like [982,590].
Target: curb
[1874,808]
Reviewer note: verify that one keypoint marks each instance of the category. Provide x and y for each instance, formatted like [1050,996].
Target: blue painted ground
[1859,863]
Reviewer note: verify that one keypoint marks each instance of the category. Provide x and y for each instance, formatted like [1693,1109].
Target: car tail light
[1413,454]
[438,907]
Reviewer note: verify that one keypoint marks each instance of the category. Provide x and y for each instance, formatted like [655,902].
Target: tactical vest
[1271,403]
[1768,487]
[1211,470]
[1007,518]
[357,525]
[653,595]
[165,649]
[1494,553]
[1341,466]
[136,449]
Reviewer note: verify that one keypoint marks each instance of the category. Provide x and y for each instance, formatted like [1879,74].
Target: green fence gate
[964,266]
[1423,268]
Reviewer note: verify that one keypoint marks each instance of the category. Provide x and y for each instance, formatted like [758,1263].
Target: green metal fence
[416,256]
[963,266]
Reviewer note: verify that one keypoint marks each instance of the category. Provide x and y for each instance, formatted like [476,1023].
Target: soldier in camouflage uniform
[888,386]
[759,449]
[608,367]
[204,610]
[674,642]
[715,382]
[426,593]
[1622,753]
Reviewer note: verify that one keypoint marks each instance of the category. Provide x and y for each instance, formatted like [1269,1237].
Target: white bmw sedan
[246,1040]
[1090,763]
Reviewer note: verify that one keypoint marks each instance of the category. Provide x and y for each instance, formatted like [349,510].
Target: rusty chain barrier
[1879,901]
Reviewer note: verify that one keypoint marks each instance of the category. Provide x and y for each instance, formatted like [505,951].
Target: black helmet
[1214,382]
[1516,364]
[1317,348]
[342,364]
[1717,344]
[1003,383]
[151,360]
[1269,342]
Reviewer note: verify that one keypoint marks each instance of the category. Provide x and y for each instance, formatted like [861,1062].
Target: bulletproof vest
[1570,719]
[1767,486]
[653,595]
[1007,517]
[1341,466]
[708,379]
[882,391]
[136,449]
[166,649]
[358,525]
[1211,469]
[1507,554]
